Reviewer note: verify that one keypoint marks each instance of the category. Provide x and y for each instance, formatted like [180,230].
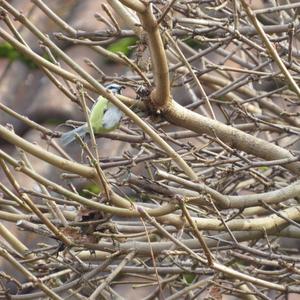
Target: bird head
[115,88]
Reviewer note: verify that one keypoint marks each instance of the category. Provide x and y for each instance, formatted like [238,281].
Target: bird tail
[70,136]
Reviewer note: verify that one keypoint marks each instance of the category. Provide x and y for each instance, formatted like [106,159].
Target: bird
[104,117]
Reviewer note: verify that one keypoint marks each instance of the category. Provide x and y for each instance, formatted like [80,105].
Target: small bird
[104,118]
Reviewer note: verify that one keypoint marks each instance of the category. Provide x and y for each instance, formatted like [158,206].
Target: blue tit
[104,118]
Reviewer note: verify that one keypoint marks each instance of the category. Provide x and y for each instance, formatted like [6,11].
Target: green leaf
[122,45]
[90,190]
[8,51]
[193,43]
[189,278]
[263,168]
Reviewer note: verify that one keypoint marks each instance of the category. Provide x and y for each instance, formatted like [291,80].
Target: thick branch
[161,95]
[69,166]
[235,138]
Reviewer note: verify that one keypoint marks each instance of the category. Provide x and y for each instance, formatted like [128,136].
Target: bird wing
[111,118]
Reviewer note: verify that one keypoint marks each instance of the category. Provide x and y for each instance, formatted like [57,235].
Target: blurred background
[25,89]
